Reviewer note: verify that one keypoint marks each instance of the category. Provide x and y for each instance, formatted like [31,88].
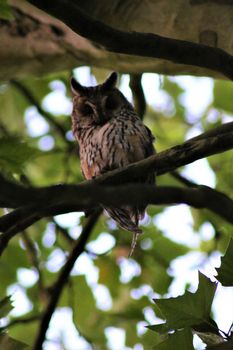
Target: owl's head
[95,106]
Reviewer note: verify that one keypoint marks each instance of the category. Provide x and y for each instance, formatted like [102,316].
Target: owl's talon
[133,243]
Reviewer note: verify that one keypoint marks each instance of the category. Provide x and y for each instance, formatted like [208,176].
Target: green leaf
[190,308]
[14,154]
[159,328]
[24,333]
[228,345]
[167,250]
[172,87]
[8,343]
[85,304]
[208,332]
[5,10]
[225,271]
[8,271]
[178,340]
[223,92]
[5,306]
[89,321]
[109,273]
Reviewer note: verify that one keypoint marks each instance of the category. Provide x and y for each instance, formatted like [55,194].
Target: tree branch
[173,158]
[87,196]
[135,43]
[63,277]
[33,258]
[23,320]
[34,203]
[138,94]
[31,99]
[218,140]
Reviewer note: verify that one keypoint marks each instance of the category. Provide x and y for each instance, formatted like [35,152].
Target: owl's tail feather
[128,219]
[133,243]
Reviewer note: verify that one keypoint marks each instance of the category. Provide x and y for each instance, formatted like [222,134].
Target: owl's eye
[87,109]
[111,102]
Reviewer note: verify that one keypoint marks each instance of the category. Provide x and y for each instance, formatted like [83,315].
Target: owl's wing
[149,148]
[143,148]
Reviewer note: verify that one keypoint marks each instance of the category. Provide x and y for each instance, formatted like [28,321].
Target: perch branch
[34,203]
[90,195]
[206,144]
[135,43]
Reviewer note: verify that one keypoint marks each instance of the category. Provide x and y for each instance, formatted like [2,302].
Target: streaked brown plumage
[110,136]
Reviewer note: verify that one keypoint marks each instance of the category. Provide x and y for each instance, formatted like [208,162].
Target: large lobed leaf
[225,271]
[189,309]
[179,340]
[5,306]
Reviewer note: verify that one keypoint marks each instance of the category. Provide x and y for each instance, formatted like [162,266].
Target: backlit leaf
[190,308]
[179,340]
[225,271]
[5,306]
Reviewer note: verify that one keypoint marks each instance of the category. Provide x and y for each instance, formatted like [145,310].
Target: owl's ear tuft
[76,87]
[110,82]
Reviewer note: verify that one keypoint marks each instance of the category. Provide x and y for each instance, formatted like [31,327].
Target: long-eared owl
[110,136]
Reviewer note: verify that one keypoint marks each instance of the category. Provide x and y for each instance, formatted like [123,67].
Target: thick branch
[35,203]
[89,195]
[138,94]
[134,43]
[63,277]
[13,195]
[172,158]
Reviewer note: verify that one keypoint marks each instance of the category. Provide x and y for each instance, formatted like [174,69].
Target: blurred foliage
[5,10]
[6,342]
[33,151]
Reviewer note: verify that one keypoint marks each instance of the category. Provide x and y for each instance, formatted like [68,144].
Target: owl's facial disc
[87,109]
[93,113]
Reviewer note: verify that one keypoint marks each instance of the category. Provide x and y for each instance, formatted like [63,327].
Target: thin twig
[33,257]
[63,277]
[64,232]
[183,179]
[23,320]
[31,98]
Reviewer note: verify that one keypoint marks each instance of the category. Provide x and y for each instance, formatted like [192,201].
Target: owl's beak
[100,117]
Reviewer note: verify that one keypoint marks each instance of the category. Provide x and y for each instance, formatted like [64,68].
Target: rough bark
[50,46]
